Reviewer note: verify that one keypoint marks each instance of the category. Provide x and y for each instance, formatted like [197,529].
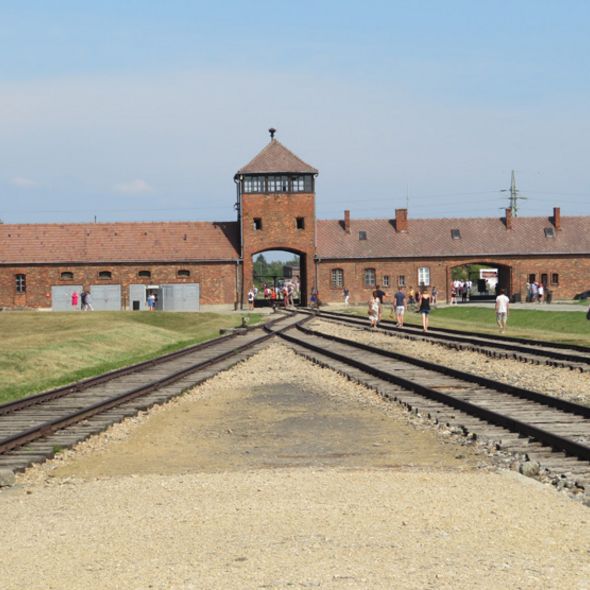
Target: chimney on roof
[401,220]
[557,218]
[509,218]
[272,132]
[347,221]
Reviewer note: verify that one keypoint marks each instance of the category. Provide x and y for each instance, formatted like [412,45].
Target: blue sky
[145,110]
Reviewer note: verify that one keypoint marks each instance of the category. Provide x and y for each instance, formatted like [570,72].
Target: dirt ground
[279,474]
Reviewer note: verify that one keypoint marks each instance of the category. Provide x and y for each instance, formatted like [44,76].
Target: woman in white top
[374,308]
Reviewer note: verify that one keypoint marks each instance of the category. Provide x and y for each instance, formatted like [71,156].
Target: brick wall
[278,215]
[217,280]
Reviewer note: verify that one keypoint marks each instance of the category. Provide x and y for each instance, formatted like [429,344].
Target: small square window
[67,276]
[362,235]
[301,223]
[456,234]
[549,232]
[105,274]
[183,273]
[257,223]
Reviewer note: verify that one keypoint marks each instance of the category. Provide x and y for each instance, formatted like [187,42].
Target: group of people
[423,299]
[460,290]
[537,293]
[83,299]
[275,295]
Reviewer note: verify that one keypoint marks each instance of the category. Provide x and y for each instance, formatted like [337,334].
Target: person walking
[502,304]
[425,308]
[374,311]
[251,300]
[399,302]
[346,294]
[75,300]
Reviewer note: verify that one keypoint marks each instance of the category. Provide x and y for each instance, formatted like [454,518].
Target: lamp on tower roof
[272,132]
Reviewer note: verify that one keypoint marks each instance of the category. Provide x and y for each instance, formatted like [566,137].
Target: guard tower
[276,210]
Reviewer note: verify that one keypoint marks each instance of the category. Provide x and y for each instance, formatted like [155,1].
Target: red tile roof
[118,242]
[432,237]
[275,158]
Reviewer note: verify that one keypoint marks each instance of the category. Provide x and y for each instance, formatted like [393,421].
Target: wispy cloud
[23,182]
[133,187]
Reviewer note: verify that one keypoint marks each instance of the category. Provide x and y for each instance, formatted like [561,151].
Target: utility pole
[514,195]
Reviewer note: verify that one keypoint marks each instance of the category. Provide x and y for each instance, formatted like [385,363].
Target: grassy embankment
[555,326]
[39,351]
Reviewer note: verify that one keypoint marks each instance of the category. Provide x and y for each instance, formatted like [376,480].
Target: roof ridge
[274,157]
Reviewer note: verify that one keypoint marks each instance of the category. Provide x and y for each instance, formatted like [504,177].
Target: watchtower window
[254,184]
[456,234]
[297,184]
[257,223]
[278,184]
[362,235]
[300,223]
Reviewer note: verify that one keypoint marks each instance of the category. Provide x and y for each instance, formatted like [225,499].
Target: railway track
[535,428]
[496,346]
[527,426]
[35,428]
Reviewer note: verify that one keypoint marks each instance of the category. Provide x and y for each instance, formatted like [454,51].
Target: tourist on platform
[374,311]
[502,304]
[425,308]
[399,307]
[540,292]
[434,296]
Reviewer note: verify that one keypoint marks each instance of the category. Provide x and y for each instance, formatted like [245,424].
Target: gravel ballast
[556,381]
[279,474]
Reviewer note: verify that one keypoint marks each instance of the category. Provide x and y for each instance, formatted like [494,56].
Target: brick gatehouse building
[195,264]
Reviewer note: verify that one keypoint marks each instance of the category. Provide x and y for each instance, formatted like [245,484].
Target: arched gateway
[276,211]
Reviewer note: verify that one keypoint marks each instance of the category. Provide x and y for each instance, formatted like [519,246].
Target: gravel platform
[280,474]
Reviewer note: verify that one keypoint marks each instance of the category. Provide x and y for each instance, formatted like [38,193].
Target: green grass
[554,326]
[40,351]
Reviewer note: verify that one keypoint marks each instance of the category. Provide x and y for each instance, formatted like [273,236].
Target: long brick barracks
[199,264]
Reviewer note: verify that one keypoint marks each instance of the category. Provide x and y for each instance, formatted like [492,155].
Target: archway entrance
[477,281]
[278,275]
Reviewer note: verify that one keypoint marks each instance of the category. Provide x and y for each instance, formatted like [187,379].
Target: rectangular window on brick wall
[21,283]
[401,281]
[300,222]
[544,278]
[554,278]
[532,278]
[337,278]
[369,277]
[386,280]
[257,223]
[424,276]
